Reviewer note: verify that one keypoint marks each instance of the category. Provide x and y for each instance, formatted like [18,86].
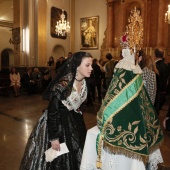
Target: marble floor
[18,116]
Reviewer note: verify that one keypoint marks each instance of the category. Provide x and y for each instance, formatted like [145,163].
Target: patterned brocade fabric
[127,119]
[149,79]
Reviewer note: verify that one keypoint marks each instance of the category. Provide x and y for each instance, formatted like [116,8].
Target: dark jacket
[163,75]
[97,73]
[25,80]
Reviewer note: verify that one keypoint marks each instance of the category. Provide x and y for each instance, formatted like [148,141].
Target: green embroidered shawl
[127,119]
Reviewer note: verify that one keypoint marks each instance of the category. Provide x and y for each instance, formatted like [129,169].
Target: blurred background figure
[28,82]
[15,81]
[37,77]
[49,73]
[97,78]
[69,54]
[60,62]
[150,74]
[109,69]
[163,78]
[90,90]
[51,65]
[101,64]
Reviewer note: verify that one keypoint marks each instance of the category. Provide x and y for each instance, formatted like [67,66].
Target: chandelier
[167,15]
[62,26]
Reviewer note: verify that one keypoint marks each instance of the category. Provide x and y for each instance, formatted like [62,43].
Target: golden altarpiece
[156,31]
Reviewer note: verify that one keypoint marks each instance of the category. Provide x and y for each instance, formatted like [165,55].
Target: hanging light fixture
[167,15]
[62,27]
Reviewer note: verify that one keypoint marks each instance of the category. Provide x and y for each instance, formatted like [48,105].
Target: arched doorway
[58,51]
[7,59]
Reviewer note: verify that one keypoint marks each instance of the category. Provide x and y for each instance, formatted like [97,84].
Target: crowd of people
[131,92]
[154,74]
[68,83]
[77,78]
[34,80]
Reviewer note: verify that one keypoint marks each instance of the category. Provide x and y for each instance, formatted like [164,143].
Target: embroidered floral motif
[116,86]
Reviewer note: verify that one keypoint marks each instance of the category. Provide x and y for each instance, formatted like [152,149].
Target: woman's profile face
[85,68]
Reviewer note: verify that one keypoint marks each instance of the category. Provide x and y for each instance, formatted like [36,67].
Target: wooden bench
[4,85]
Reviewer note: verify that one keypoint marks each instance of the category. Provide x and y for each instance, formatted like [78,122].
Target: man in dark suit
[97,77]
[60,62]
[28,82]
[163,78]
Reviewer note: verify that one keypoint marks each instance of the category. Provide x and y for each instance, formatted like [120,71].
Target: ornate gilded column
[148,18]
[160,24]
[16,14]
[109,35]
[72,22]
[42,32]
[167,54]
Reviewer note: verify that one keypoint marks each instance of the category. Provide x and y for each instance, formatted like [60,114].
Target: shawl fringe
[130,154]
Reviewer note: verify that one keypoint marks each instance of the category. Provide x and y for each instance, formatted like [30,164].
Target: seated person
[28,82]
[15,80]
[37,77]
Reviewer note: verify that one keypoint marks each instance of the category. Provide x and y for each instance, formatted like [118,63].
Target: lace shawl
[74,101]
[128,62]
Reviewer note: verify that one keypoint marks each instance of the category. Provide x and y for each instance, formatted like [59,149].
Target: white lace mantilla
[128,62]
[120,162]
[154,159]
[74,101]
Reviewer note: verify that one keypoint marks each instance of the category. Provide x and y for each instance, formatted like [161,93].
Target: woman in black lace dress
[63,120]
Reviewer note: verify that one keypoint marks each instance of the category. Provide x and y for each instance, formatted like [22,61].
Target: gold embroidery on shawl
[123,133]
[109,97]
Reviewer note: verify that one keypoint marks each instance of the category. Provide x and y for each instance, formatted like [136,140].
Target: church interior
[28,37]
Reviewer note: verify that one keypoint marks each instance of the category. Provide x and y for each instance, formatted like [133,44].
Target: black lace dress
[64,121]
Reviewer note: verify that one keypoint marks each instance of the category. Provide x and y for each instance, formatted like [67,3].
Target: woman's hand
[164,122]
[55,145]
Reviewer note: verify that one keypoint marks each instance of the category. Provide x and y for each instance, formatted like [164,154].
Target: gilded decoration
[134,31]
[110,4]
